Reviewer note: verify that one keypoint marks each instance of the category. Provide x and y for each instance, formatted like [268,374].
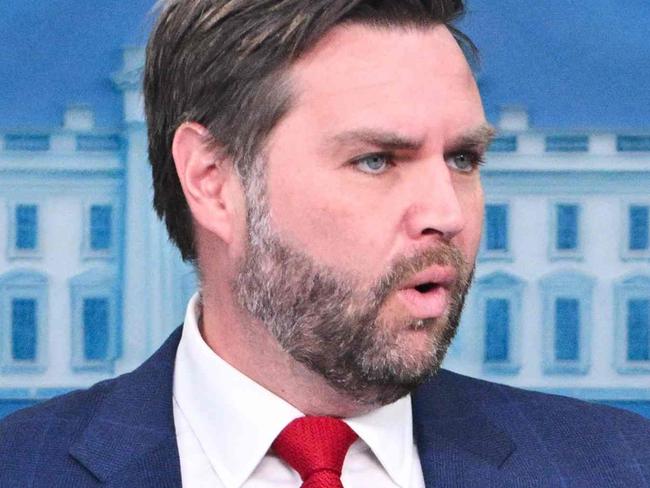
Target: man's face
[364,217]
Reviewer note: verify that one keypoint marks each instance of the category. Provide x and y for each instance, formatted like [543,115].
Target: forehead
[415,79]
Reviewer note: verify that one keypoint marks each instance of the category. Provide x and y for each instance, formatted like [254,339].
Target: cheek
[470,237]
[323,228]
[329,225]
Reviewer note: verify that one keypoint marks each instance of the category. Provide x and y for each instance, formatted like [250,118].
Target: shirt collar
[388,431]
[236,420]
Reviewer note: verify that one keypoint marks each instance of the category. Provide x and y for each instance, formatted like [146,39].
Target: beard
[332,324]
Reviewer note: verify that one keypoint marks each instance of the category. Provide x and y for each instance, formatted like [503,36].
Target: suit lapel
[131,437]
[450,429]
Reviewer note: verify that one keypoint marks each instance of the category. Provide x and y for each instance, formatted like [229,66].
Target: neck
[246,345]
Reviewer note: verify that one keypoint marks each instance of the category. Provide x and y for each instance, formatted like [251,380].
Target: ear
[210,184]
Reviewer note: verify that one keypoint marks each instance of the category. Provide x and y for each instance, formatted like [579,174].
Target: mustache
[404,267]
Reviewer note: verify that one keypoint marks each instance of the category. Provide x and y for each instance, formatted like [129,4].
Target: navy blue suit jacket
[470,433]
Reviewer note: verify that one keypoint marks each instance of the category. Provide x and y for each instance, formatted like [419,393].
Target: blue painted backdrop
[573,65]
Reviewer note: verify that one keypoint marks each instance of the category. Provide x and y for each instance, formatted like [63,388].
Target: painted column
[147,274]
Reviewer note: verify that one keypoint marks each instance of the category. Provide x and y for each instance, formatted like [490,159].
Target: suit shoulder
[547,407]
[551,437]
[50,426]
[55,421]
[73,405]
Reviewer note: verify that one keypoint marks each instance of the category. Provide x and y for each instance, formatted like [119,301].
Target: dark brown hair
[221,63]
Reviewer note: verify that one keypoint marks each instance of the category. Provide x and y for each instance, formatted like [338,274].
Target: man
[318,161]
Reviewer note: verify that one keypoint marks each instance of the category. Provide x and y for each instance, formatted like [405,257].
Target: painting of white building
[561,299]
[90,285]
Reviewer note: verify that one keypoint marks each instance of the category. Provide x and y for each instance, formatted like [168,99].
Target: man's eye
[465,162]
[373,163]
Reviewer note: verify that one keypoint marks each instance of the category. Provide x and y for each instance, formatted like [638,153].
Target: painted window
[504,144]
[26,222]
[567,304]
[27,142]
[100,227]
[95,320]
[95,328]
[497,329]
[496,217]
[98,142]
[633,325]
[566,238]
[638,329]
[633,143]
[23,305]
[498,302]
[567,329]
[567,143]
[24,329]
[639,228]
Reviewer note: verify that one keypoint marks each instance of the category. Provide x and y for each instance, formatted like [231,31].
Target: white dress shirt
[225,424]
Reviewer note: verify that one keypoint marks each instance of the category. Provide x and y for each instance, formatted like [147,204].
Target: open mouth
[426,300]
[427,294]
[425,287]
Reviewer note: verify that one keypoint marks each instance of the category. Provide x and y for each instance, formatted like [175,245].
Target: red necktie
[316,448]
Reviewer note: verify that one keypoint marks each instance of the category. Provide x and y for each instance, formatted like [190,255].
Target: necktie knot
[315,447]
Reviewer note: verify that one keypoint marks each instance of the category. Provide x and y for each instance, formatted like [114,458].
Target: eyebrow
[386,140]
[479,138]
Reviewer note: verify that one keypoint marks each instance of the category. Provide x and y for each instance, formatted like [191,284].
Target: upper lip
[440,275]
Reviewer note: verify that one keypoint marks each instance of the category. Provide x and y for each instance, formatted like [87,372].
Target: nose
[435,207]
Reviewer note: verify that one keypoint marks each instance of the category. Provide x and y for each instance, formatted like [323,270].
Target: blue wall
[575,64]
[582,63]
[60,52]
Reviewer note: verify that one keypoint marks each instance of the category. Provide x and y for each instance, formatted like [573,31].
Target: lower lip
[425,305]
